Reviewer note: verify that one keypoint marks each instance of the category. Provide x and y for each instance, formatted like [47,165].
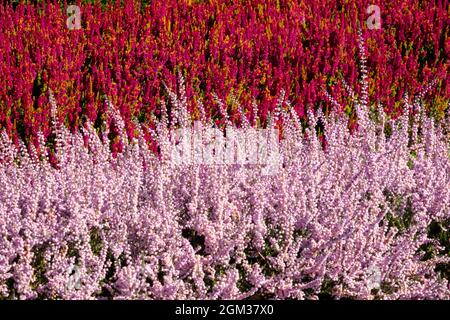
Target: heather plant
[249,50]
[104,207]
[351,220]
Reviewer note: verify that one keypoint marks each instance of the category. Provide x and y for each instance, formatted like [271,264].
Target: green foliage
[96,241]
[39,265]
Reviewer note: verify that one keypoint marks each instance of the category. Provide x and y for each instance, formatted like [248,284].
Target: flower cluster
[239,51]
[349,220]
[100,205]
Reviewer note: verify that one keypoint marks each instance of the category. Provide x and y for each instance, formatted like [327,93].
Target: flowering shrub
[248,49]
[348,220]
[110,210]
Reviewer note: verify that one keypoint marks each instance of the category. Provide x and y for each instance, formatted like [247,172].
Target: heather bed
[364,218]
[357,207]
[247,49]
